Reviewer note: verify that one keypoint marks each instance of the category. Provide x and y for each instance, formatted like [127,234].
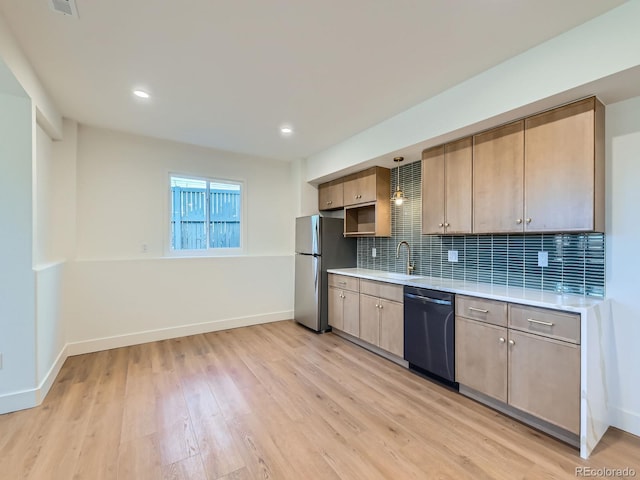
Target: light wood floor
[273,401]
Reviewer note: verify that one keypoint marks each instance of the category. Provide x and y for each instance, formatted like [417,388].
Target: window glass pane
[188,214]
[225,207]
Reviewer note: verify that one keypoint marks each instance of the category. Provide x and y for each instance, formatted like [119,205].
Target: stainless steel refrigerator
[320,245]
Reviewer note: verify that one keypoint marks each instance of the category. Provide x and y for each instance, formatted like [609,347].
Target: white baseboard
[14,401]
[49,378]
[625,420]
[24,399]
[107,343]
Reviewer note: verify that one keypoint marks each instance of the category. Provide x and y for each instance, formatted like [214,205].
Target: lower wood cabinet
[524,362]
[344,304]
[392,327]
[481,357]
[382,316]
[369,319]
[544,379]
[369,310]
[382,323]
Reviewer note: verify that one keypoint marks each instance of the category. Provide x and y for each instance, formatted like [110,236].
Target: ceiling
[228,74]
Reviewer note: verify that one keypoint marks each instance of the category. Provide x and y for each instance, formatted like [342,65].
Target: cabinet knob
[528,220]
[441,224]
[355,196]
[329,202]
[380,307]
[446,224]
[519,221]
[377,306]
[511,342]
[502,340]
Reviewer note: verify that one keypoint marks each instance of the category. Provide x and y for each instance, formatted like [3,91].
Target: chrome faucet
[410,267]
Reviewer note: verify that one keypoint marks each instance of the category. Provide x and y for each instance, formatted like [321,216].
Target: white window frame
[206,252]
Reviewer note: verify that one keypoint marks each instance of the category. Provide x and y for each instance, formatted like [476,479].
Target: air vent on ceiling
[65,7]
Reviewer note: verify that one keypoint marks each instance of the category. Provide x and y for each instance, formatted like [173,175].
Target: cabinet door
[351,313]
[433,190]
[458,185]
[498,170]
[335,312]
[559,169]
[544,379]
[481,357]
[330,196]
[392,327]
[360,187]
[370,319]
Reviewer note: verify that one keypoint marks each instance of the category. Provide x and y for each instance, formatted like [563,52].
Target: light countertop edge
[525,296]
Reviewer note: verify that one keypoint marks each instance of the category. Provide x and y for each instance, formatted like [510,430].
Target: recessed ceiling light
[141,94]
[286,130]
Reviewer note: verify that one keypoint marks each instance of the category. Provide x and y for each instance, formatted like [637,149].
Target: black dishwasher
[429,333]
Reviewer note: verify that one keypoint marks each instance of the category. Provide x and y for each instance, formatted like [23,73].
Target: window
[206,214]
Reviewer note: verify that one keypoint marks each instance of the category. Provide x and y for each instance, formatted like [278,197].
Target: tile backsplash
[576,261]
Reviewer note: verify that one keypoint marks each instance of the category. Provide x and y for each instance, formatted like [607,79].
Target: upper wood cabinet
[330,195]
[498,172]
[542,174]
[367,200]
[367,186]
[564,168]
[446,188]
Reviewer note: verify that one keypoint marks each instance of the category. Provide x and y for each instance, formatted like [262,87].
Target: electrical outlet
[144,248]
[373,252]
[543,259]
[453,255]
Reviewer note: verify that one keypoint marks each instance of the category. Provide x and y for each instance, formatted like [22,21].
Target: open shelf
[364,220]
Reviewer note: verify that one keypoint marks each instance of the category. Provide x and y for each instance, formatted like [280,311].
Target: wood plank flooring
[273,401]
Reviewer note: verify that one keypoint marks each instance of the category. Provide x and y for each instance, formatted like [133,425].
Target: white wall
[306,195]
[44,248]
[54,244]
[123,194]
[51,335]
[623,261]
[17,283]
[12,55]
[63,190]
[117,290]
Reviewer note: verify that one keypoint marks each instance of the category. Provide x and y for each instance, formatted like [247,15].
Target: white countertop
[527,296]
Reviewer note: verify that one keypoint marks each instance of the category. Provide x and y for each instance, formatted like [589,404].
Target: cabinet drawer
[384,290]
[489,311]
[344,281]
[549,323]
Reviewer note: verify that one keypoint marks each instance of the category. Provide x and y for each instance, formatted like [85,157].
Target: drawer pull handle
[501,339]
[540,322]
[474,309]
[342,283]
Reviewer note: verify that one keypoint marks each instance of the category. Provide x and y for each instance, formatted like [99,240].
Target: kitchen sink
[397,276]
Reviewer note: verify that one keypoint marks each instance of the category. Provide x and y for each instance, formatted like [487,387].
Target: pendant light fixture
[398,195]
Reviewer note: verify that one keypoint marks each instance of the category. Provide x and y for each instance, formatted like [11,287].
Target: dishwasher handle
[422,299]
